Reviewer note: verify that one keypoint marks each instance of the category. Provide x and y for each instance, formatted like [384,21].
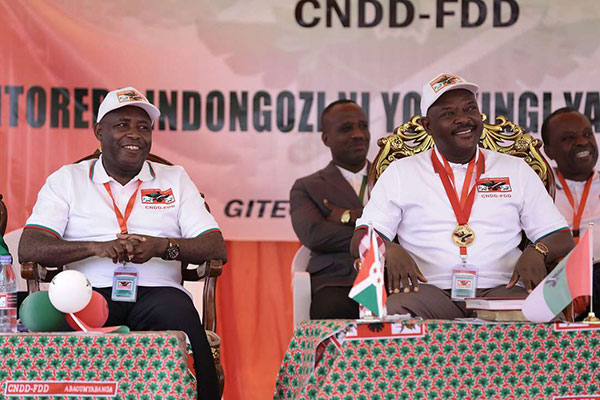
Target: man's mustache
[462,128]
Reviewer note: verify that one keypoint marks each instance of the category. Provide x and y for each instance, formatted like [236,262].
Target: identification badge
[124,286]
[464,282]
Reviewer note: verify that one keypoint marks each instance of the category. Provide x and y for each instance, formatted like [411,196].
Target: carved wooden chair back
[504,136]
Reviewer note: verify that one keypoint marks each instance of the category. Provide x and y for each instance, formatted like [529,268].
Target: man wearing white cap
[127,224]
[458,212]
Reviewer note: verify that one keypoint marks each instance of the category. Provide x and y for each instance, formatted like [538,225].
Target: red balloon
[94,315]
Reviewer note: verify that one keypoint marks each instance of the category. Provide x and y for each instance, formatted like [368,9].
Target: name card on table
[73,388]
[571,326]
[385,330]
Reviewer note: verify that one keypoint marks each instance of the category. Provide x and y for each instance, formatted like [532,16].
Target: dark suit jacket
[331,263]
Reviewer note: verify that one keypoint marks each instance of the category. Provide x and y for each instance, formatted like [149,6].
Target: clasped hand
[402,271]
[335,215]
[130,248]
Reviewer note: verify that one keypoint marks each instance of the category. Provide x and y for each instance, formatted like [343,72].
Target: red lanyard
[123,220]
[469,175]
[577,214]
[462,209]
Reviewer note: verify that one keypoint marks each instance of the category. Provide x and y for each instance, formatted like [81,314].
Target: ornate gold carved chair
[503,136]
[209,271]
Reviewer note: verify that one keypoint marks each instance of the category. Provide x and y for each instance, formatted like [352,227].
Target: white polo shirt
[591,212]
[74,205]
[409,200]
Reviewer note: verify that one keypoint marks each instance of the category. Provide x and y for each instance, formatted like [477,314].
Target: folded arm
[319,232]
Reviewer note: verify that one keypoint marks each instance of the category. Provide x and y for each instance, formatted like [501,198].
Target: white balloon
[70,291]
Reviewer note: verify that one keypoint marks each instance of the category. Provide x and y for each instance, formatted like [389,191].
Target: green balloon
[121,329]
[39,315]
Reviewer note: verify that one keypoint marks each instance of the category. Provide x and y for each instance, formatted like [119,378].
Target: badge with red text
[157,196]
[444,80]
[494,185]
[464,282]
[125,284]
[130,95]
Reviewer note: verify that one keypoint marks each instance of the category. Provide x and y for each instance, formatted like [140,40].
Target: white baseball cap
[441,84]
[127,96]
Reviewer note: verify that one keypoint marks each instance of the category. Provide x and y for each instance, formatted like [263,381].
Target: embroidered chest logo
[488,185]
[494,187]
[157,196]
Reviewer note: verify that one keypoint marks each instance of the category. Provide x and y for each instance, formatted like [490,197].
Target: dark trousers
[332,302]
[167,308]
[431,302]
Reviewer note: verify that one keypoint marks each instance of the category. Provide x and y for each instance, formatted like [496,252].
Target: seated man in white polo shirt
[95,215]
[570,141]
[446,229]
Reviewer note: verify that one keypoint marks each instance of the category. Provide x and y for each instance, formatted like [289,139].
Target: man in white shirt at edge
[93,215]
[570,141]
[411,201]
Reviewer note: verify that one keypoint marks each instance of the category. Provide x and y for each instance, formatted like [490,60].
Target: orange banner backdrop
[254,311]
[240,85]
[54,55]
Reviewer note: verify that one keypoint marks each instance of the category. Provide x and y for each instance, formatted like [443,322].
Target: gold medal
[463,235]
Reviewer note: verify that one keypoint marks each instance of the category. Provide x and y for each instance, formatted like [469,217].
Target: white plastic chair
[301,285]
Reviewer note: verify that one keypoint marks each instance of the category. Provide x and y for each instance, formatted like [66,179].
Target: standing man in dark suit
[325,206]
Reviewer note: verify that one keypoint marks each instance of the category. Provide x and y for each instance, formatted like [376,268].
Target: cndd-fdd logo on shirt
[488,185]
[157,196]
[494,187]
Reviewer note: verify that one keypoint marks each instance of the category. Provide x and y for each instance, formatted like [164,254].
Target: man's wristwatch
[346,216]
[540,248]
[172,251]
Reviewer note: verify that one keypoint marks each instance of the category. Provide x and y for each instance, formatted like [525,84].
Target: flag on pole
[368,288]
[570,279]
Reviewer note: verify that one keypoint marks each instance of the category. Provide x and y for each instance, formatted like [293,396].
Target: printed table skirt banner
[137,365]
[338,360]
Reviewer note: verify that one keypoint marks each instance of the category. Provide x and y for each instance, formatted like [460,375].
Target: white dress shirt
[356,179]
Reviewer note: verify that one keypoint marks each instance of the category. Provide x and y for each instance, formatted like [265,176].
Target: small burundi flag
[368,288]
[570,279]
